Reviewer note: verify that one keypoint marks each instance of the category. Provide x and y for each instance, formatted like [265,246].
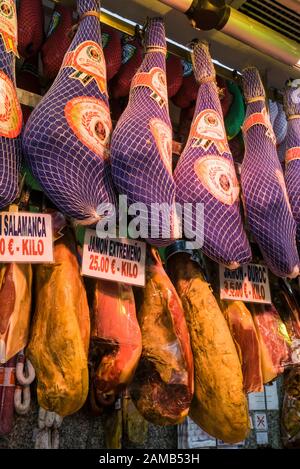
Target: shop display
[292,155]
[30,27]
[58,40]
[72,164]
[205,172]
[60,332]
[116,341]
[162,388]
[274,341]
[141,145]
[102,108]
[219,405]
[245,337]
[265,197]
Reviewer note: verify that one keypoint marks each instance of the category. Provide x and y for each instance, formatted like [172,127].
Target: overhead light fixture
[170,41]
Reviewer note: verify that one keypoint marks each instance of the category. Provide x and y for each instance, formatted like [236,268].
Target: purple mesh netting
[280,124]
[292,168]
[10,148]
[205,172]
[268,211]
[273,110]
[141,147]
[73,173]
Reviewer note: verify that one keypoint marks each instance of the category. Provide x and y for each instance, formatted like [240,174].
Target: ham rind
[163,384]
[66,140]
[265,196]
[7,391]
[58,40]
[244,334]
[141,146]
[273,339]
[10,109]
[205,173]
[116,339]
[292,152]
[30,27]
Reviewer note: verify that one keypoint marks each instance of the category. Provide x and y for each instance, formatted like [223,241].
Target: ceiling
[225,49]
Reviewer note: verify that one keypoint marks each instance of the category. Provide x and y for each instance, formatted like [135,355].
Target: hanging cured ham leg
[292,155]
[66,140]
[266,201]
[30,27]
[111,43]
[205,173]
[7,391]
[10,110]
[163,386]
[116,339]
[28,79]
[60,332]
[141,148]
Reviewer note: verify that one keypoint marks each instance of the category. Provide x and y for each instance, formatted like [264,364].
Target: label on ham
[89,64]
[155,80]
[292,154]
[249,283]
[10,109]
[218,176]
[163,139]
[26,238]
[208,128]
[90,120]
[119,260]
[260,118]
[8,26]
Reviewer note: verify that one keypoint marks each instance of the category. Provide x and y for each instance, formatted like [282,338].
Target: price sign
[119,260]
[26,237]
[249,283]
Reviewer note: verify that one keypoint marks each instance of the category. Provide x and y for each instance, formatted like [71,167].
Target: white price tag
[256,401]
[262,438]
[249,283]
[26,237]
[119,260]
[272,396]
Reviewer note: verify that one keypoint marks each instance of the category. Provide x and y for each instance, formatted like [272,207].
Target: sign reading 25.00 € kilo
[119,260]
[26,237]
[249,283]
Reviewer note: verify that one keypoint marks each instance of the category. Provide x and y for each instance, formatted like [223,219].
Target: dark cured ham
[163,387]
[273,339]
[7,391]
[243,332]
[116,341]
